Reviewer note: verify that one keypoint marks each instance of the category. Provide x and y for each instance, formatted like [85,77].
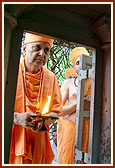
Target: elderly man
[66,123]
[35,84]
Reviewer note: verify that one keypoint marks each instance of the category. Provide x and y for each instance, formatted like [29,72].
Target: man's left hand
[51,121]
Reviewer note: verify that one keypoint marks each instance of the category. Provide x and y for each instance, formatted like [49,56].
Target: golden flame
[38,105]
[46,107]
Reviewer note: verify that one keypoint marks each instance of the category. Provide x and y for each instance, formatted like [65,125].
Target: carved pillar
[9,23]
[102,27]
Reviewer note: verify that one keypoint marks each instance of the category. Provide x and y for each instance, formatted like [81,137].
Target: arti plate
[44,117]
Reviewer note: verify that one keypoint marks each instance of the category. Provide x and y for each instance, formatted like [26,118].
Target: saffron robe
[66,134]
[28,146]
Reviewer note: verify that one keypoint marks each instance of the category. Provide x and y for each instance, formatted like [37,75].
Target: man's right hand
[25,120]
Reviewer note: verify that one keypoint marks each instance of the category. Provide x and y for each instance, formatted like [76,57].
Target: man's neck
[32,70]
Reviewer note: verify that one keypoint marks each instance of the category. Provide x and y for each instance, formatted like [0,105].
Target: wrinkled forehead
[42,44]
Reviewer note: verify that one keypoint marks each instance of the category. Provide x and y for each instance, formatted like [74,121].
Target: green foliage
[59,59]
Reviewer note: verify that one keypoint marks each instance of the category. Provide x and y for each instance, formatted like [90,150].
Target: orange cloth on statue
[65,139]
[86,120]
[66,135]
[28,146]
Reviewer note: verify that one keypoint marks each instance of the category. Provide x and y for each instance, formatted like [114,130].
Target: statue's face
[76,65]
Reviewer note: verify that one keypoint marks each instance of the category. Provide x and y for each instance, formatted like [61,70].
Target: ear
[24,49]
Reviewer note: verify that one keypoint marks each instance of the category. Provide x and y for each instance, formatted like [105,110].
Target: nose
[41,53]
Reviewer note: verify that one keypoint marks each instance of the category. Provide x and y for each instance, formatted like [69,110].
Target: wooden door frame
[59,33]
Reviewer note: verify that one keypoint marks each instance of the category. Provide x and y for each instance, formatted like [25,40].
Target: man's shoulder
[48,71]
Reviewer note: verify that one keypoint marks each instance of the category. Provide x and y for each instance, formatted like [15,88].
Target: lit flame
[46,107]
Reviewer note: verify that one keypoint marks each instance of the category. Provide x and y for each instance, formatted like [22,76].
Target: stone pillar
[102,27]
[9,23]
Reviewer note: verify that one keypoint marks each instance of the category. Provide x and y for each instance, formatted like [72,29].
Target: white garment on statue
[54,148]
